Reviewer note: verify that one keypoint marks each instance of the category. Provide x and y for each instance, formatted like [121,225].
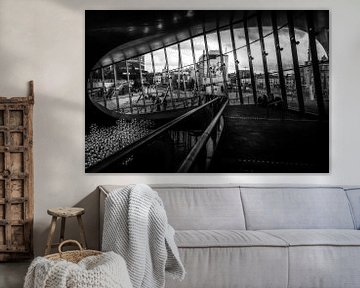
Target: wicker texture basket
[72,256]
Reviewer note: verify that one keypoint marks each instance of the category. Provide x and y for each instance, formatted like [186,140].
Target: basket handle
[69,241]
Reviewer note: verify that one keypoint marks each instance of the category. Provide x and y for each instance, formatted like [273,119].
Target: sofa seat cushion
[225,238]
[322,258]
[203,208]
[296,208]
[317,237]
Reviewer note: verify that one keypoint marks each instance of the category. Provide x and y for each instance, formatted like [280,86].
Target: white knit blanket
[104,271]
[136,227]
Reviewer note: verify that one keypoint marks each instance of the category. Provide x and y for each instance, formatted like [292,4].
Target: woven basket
[72,256]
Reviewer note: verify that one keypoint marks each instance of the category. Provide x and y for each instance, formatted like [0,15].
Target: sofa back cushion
[354,198]
[296,208]
[203,208]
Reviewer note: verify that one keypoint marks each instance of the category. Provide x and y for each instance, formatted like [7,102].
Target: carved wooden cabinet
[16,177]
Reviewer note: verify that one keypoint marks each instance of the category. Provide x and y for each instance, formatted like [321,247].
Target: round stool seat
[66,211]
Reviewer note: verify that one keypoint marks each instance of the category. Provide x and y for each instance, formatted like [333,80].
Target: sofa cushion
[199,207]
[322,258]
[324,266]
[317,237]
[220,267]
[226,238]
[206,208]
[296,208]
[354,198]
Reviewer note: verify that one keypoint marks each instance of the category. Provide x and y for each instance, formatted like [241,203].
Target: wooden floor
[12,275]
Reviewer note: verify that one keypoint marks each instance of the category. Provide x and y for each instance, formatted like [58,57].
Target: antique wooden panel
[16,177]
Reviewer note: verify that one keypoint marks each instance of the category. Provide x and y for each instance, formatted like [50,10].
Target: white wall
[43,40]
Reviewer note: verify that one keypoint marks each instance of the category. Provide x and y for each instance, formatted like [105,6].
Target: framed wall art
[207,91]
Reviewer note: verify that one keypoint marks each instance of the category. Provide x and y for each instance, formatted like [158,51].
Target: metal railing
[201,144]
[135,146]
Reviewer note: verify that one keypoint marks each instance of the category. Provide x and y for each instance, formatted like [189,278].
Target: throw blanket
[103,271]
[136,227]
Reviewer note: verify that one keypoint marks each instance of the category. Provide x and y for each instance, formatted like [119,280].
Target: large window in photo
[160,70]
[256,57]
[288,67]
[306,60]
[189,73]
[175,71]
[229,65]
[271,54]
[203,75]
[123,93]
[95,87]
[243,64]
[215,68]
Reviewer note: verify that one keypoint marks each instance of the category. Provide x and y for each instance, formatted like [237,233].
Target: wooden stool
[64,213]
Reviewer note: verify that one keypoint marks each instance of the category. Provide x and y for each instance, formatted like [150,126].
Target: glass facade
[239,61]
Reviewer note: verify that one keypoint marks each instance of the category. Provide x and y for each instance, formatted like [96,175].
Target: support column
[278,50]
[236,62]
[182,71]
[169,79]
[252,76]
[103,86]
[179,73]
[264,55]
[141,82]
[209,70]
[197,86]
[315,65]
[116,94]
[295,58]
[128,82]
[223,65]
[153,67]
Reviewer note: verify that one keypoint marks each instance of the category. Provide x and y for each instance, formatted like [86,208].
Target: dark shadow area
[12,275]
[166,152]
[91,222]
[259,145]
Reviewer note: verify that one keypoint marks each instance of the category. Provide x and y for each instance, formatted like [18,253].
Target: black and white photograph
[207,91]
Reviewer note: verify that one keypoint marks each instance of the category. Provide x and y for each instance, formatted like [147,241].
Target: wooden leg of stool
[62,231]
[51,235]
[82,232]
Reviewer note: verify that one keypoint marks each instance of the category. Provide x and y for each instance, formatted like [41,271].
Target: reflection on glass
[286,55]
[269,42]
[227,49]
[188,69]
[256,54]
[243,65]
[306,69]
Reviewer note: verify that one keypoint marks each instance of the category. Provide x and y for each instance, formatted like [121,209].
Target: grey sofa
[237,236]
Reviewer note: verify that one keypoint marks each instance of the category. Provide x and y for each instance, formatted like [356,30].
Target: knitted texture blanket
[104,271]
[136,227]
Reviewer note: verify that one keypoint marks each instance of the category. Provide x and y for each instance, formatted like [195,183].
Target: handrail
[137,144]
[194,153]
